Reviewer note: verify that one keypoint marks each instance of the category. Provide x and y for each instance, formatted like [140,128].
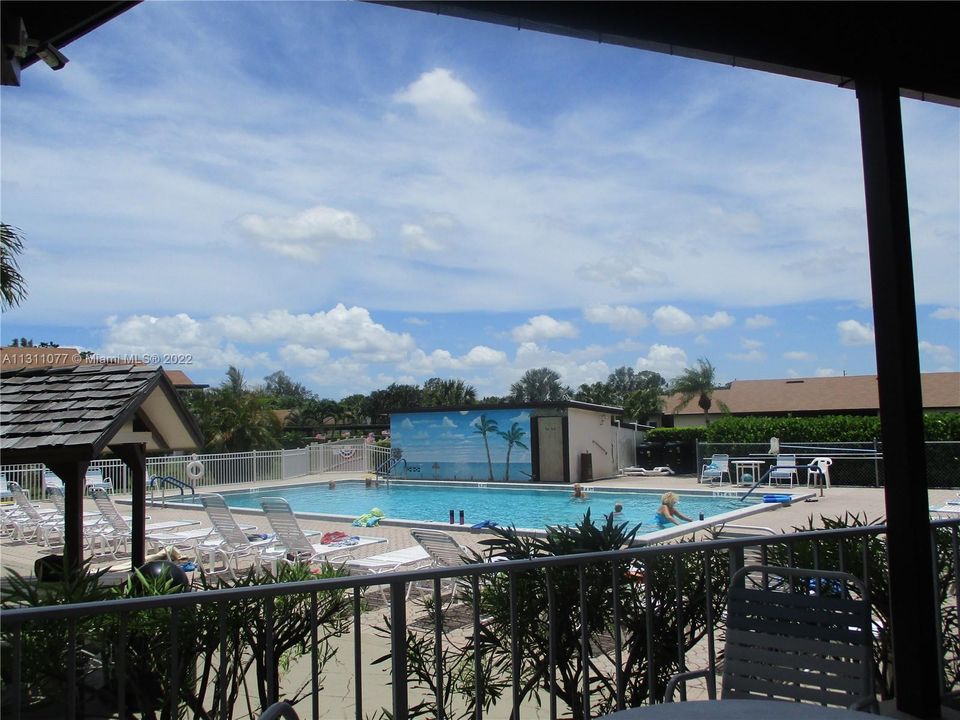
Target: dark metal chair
[795,634]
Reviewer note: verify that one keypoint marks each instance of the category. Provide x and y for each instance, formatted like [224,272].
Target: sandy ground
[338,695]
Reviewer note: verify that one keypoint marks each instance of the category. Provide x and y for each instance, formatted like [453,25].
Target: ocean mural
[482,445]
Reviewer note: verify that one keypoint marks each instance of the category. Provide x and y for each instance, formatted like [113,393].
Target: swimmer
[618,509]
[578,492]
[668,513]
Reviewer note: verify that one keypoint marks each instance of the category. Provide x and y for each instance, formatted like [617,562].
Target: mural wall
[487,445]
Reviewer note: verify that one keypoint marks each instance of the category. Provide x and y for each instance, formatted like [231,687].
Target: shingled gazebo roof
[80,410]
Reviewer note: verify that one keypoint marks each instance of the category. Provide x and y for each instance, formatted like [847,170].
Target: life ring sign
[194,469]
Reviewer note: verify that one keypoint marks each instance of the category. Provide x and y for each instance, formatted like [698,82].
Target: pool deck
[836,501]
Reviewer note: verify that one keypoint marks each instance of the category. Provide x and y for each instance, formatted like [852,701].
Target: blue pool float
[484,525]
[777,498]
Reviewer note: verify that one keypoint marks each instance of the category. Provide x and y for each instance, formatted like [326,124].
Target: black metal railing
[581,634]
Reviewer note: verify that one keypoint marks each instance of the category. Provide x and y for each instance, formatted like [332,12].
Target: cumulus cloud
[798,355]
[940,354]
[750,356]
[946,313]
[826,372]
[620,317]
[667,360]
[717,321]
[619,274]
[305,235]
[543,327]
[854,333]
[757,321]
[751,344]
[416,238]
[479,356]
[673,321]
[440,94]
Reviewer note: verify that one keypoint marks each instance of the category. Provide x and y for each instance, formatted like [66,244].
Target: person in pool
[578,492]
[668,513]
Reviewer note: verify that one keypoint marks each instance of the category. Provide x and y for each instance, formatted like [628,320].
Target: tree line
[237,416]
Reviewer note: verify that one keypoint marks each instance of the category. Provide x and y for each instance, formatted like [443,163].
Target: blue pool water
[523,507]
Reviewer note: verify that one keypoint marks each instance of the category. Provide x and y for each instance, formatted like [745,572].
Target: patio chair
[715,469]
[444,551]
[819,470]
[94,480]
[51,480]
[114,530]
[809,640]
[5,494]
[29,523]
[405,559]
[785,470]
[231,543]
[292,542]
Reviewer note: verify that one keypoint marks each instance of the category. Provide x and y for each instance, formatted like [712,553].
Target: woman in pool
[668,512]
[578,492]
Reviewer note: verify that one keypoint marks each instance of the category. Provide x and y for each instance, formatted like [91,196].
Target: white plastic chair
[114,529]
[819,469]
[785,470]
[409,558]
[51,480]
[444,551]
[94,480]
[232,543]
[715,469]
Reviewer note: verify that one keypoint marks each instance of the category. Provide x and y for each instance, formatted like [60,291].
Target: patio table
[755,466]
[733,710]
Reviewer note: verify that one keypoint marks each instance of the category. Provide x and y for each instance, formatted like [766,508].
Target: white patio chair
[444,551]
[231,543]
[29,523]
[51,480]
[114,530]
[785,470]
[409,558]
[819,470]
[5,494]
[716,468]
[292,543]
[94,480]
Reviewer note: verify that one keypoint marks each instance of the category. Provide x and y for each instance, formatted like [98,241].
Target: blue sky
[361,195]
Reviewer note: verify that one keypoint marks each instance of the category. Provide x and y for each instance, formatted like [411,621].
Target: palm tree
[699,382]
[484,427]
[438,392]
[539,385]
[13,288]
[513,436]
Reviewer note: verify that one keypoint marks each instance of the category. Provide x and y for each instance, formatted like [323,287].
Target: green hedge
[824,428]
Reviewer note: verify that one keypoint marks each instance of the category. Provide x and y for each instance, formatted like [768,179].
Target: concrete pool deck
[836,501]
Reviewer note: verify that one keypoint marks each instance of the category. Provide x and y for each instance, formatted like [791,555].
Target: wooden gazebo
[65,417]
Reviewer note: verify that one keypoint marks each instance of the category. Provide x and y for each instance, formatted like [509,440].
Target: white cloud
[717,321]
[800,355]
[300,356]
[664,359]
[305,235]
[759,320]
[750,356]
[416,238]
[543,327]
[420,363]
[826,372]
[946,313]
[440,94]
[750,344]
[673,321]
[420,322]
[938,353]
[854,333]
[482,355]
[620,317]
[619,274]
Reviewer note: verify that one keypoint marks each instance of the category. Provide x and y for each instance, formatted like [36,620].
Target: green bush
[686,434]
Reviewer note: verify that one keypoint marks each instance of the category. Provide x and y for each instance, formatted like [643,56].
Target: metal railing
[225,468]
[581,634]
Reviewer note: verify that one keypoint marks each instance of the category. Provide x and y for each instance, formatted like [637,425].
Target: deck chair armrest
[689,675]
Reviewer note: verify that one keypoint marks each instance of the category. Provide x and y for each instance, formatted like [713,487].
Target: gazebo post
[909,547]
[72,474]
[134,456]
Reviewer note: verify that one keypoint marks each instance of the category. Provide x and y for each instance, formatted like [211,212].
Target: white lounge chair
[5,494]
[51,480]
[405,559]
[444,551]
[785,470]
[231,543]
[292,542]
[715,469]
[114,530]
[95,480]
[29,523]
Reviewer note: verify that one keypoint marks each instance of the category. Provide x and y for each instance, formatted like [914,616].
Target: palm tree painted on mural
[486,426]
[513,436]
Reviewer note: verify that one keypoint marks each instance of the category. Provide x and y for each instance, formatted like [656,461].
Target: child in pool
[668,513]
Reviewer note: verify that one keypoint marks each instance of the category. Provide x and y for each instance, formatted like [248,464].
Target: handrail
[757,483]
[175,482]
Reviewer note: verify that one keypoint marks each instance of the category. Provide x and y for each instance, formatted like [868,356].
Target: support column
[72,473]
[909,546]
[134,456]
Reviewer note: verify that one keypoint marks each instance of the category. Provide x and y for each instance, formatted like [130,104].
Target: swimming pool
[525,507]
